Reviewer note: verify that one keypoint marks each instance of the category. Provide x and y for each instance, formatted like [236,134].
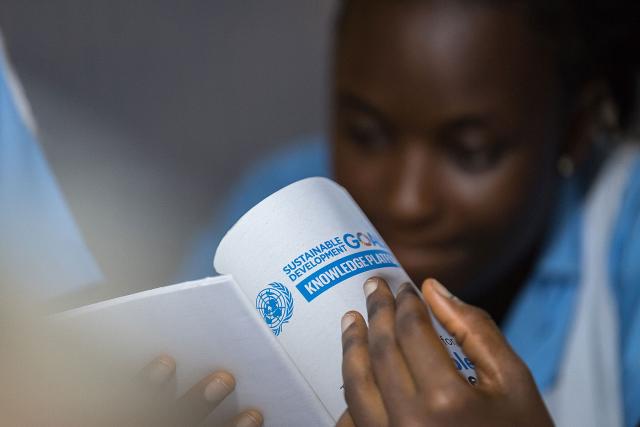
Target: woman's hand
[196,404]
[397,372]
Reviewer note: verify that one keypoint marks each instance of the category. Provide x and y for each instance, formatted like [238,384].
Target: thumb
[478,335]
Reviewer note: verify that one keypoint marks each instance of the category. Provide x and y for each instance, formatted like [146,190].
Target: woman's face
[446,130]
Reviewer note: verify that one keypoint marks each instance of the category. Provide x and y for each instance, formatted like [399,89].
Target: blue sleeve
[625,264]
[42,252]
[303,158]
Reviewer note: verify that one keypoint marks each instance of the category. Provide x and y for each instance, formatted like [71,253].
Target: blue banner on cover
[343,269]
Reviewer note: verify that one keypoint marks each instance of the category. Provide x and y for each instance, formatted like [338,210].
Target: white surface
[205,325]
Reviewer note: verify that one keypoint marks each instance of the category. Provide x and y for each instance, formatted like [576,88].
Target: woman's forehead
[443,54]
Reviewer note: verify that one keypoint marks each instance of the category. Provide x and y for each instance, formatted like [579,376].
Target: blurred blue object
[42,250]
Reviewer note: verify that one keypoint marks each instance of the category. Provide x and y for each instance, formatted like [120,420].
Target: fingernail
[441,289]
[370,286]
[159,372]
[249,419]
[347,320]
[217,390]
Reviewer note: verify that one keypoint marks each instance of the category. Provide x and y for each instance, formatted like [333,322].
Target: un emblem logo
[275,305]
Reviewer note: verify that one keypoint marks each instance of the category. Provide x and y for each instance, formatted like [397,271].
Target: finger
[250,418]
[478,335]
[345,420]
[159,371]
[428,361]
[204,397]
[361,392]
[389,366]
[155,387]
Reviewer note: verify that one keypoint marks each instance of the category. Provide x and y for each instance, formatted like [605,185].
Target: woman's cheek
[505,216]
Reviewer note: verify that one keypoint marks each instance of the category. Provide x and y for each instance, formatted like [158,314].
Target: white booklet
[205,325]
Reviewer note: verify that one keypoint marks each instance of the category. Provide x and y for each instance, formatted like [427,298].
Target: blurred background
[148,111]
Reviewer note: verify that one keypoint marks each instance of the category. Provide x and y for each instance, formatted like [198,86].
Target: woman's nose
[414,195]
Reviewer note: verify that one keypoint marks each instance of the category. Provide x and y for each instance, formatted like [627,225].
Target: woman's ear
[594,114]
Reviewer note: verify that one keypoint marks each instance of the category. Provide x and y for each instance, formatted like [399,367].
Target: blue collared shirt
[538,323]
[42,252]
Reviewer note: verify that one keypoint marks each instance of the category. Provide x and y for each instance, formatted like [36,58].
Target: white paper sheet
[205,325]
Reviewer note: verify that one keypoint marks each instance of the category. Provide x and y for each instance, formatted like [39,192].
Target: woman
[474,134]
[475,126]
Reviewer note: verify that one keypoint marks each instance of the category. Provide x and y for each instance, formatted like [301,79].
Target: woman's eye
[367,136]
[476,157]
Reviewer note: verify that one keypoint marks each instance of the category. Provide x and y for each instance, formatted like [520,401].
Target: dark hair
[592,39]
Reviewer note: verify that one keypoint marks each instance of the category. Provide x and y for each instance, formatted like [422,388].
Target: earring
[565,166]
[610,116]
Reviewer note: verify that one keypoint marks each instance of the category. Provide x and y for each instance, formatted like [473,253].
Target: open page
[205,325]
